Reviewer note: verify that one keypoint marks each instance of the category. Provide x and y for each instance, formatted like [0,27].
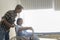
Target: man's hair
[19,20]
[19,7]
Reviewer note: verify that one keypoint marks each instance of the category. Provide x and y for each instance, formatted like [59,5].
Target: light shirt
[20,32]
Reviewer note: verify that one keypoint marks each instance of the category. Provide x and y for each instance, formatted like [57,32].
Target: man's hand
[12,25]
[6,22]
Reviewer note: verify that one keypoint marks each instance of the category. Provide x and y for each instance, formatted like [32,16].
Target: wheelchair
[23,38]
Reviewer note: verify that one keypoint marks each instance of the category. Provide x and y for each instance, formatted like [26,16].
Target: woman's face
[20,22]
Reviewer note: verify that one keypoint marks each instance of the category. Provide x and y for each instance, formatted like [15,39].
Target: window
[42,20]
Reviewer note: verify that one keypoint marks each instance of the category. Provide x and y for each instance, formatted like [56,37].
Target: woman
[21,31]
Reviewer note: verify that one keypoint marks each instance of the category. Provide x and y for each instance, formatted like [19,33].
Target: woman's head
[19,21]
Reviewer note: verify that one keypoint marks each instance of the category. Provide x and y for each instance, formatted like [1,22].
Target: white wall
[57,4]
[36,4]
[6,5]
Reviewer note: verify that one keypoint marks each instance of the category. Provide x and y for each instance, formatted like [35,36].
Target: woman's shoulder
[17,26]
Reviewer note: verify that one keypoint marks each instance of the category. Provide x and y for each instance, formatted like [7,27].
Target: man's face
[19,10]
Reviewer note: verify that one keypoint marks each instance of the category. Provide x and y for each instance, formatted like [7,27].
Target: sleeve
[6,16]
[17,28]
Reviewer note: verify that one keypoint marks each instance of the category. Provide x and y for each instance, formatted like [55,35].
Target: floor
[12,34]
[46,39]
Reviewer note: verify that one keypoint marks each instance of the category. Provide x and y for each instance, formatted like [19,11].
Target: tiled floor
[12,34]
[46,39]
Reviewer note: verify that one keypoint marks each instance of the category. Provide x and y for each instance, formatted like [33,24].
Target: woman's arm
[25,28]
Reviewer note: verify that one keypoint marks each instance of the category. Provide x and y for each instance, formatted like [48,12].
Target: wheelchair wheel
[17,38]
[23,38]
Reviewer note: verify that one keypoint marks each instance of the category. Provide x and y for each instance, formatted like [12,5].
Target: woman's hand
[30,28]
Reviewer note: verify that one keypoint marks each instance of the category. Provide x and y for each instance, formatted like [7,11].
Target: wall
[6,5]
[57,4]
[36,4]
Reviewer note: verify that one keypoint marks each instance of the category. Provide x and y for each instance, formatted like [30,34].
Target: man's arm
[7,17]
[6,23]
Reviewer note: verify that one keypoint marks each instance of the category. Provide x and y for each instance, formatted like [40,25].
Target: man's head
[19,21]
[18,8]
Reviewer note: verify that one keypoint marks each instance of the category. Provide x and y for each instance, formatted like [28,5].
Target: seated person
[21,31]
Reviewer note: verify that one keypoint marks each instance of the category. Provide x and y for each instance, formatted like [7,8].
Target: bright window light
[42,20]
